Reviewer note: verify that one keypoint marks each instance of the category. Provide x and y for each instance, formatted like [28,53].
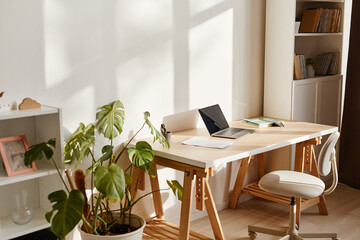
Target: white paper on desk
[205,142]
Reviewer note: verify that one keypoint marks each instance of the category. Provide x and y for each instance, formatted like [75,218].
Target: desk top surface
[260,141]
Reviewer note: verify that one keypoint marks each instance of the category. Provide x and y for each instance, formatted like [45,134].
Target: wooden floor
[344,217]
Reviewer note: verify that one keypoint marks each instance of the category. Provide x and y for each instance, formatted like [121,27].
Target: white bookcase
[318,99]
[38,125]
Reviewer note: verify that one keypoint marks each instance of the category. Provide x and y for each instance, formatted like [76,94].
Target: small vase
[167,136]
[310,71]
[297,27]
[21,214]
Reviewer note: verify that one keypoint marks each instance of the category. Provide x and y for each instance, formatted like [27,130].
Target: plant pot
[310,71]
[167,136]
[135,235]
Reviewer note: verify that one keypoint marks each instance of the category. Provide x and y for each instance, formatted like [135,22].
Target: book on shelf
[297,68]
[334,63]
[338,21]
[310,20]
[319,20]
[323,61]
[303,65]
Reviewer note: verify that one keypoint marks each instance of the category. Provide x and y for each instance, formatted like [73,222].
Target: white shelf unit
[315,99]
[38,125]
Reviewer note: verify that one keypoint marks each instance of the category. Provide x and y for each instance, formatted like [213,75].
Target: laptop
[217,125]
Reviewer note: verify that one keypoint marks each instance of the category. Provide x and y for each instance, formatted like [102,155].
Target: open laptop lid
[214,118]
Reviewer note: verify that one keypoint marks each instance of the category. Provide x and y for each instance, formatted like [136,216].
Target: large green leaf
[80,143]
[110,181]
[157,135]
[110,119]
[68,211]
[37,152]
[142,155]
[107,151]
[176,188]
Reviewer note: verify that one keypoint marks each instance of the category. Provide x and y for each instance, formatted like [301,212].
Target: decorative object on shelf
[112,182]
[12,151]
[297,25]
[21,214]
[28,103]
[165,133]
[311,66]
[4,105]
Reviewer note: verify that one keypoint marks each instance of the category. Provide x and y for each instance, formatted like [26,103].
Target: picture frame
[12,152]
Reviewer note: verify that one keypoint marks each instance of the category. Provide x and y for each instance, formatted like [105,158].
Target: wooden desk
[197,164]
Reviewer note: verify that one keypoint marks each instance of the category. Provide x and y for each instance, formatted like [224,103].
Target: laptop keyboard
[229,131]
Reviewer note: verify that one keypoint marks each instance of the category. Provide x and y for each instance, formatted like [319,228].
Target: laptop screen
[214,118]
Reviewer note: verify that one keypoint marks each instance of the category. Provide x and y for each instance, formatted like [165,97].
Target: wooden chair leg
[298,211]
[186,203]
[239,182]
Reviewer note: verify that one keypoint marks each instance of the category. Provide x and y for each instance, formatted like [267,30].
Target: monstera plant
[109,182]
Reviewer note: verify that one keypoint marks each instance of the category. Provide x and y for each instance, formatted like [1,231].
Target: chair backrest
[327,160]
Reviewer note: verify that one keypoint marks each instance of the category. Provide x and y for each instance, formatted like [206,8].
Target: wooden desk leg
[155,188]
[212,213]
[188,185]
[260,165]
[239,182]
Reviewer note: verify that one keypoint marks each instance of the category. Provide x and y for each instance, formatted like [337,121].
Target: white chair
[297,184]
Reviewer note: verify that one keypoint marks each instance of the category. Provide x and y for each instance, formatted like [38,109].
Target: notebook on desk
[217,125]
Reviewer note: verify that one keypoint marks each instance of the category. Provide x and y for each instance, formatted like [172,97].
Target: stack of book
[260,123]
[327,63]
[320,20]
[299,66]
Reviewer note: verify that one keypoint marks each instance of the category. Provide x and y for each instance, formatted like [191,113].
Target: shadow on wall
[165,57]
[161,56]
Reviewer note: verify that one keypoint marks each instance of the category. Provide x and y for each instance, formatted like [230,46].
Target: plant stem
[89,225]
[92,182]
[58,170]
[98,201]
[118,156]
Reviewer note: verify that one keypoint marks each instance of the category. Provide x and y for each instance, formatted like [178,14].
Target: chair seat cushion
[292,184]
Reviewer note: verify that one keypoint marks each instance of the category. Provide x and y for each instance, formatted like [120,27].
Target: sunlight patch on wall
[211,55]
[72,37]
[201,5]
[145,83]
[138,20]
[86,113]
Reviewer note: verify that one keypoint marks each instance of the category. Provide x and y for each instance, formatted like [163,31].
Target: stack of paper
[205,142]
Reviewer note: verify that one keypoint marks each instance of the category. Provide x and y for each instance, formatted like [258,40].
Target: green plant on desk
[111,181]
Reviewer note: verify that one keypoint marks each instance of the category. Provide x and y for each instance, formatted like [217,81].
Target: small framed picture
[12,151]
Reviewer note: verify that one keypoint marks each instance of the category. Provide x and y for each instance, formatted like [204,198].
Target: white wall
[158,55]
